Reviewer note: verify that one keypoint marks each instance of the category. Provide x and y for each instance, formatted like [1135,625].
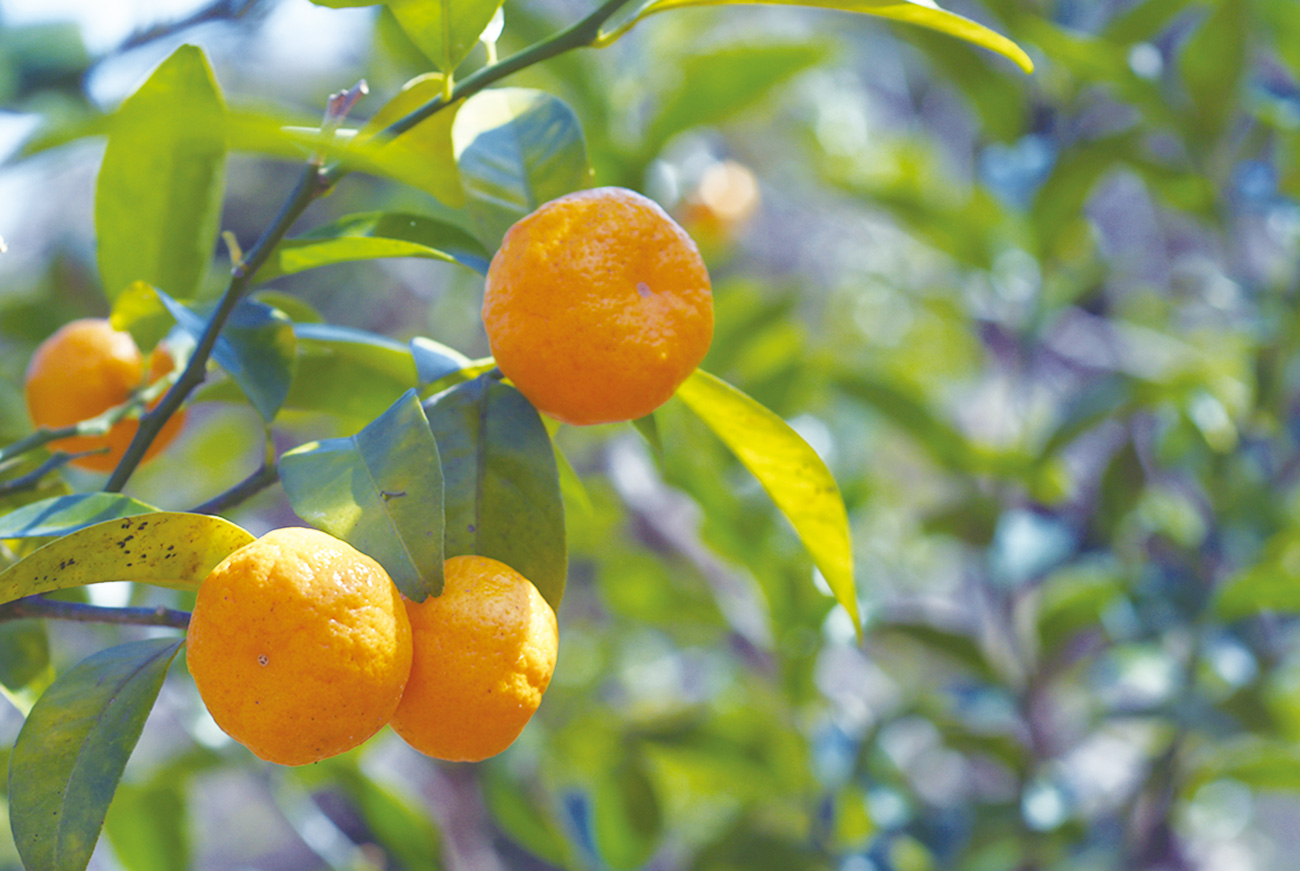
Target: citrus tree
[421,470]
[1005,364]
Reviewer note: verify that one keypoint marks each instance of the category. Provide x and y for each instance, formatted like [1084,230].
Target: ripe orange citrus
[598,306]
[299,645]
[484,653]
[81,371]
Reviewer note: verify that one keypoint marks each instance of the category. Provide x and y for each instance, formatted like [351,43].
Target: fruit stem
[40,607]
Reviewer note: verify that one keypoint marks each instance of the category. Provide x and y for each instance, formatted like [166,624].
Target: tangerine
[598,306]
[484,652]
[299,646]
[85,368]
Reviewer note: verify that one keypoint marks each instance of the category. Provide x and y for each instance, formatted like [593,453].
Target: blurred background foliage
[1043,329]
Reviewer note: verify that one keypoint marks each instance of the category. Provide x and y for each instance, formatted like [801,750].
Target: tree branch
[40,607]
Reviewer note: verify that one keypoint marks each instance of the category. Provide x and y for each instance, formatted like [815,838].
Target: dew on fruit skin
[643,289]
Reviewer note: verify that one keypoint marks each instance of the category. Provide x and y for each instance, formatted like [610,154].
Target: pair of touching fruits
[302,648]
[597,307]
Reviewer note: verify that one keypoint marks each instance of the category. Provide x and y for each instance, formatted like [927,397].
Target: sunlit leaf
[63,514]
[423,156]
[73,749]
[256,348]
[445,30]
[379,490]
[789,470]
[167,549]
[907,11]
[375,235]
[158,198]
[516,149]
[503,492]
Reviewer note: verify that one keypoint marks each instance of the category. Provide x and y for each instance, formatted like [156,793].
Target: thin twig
[33,478]
[250,486]
[51,609]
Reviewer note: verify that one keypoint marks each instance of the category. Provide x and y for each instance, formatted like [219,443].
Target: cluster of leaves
[446,458]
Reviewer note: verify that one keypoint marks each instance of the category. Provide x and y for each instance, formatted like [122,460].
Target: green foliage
[516,149]
[1014,357]
[158,198]
[170,549]
[381,491]
[73,748]
[497,456]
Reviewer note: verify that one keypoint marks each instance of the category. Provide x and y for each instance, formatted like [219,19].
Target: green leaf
[73,749]
[906,11]
[399,822]
[791,473]
[1143,20]
[169,549]
[523,818]
[1272,584]
[445,30]
[349,372]
[627,820]
[373,235]
[64,514]
[379,490]
[257,348]
[148,826]
[423,156]
[1258,763]
[435,361]
[24,652]
[158,198]
[502,484]
[516,149]
[353,374]
[720,84]
[1212,63]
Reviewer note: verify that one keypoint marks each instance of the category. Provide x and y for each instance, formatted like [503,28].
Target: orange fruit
[81,371]
[598,306]
[484,654]
[299,645]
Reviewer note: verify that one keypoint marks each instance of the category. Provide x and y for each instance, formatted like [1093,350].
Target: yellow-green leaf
[422,156]
[789,470]
[920,12]
[169,549]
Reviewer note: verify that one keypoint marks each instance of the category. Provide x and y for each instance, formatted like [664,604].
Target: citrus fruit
[299,645]
[484,653]
[598,306]
[81,371]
